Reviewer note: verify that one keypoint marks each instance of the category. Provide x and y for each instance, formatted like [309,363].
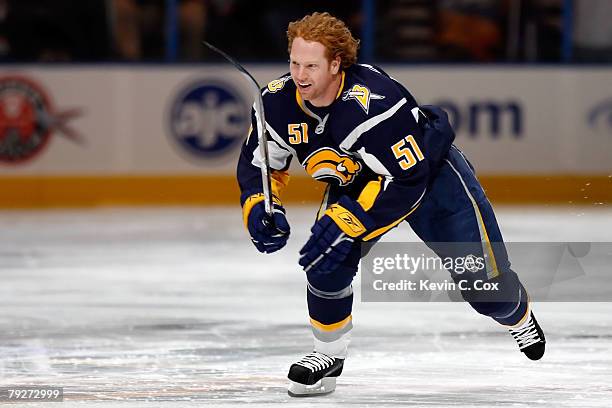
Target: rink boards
[89,135]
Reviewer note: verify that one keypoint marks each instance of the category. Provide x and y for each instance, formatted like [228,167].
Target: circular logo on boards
[27,119]
[208,118]
[24,106]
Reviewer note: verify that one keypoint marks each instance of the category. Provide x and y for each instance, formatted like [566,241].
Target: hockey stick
[261,133]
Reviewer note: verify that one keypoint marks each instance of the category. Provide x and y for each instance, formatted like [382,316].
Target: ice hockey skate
[315,374]
[530,338]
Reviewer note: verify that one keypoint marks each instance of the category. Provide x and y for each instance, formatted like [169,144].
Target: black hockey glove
[267,235]
[334,235]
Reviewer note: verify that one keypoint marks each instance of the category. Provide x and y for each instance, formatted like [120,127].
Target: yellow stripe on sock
[526,315]
[331,327]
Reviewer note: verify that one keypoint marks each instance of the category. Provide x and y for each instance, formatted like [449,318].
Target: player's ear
[335,65]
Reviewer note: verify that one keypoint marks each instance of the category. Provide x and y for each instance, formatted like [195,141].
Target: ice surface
[174,307]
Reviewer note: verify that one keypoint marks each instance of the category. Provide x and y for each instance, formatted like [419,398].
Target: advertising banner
[190,121]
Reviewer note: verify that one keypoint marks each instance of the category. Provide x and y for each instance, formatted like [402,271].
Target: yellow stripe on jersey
[484,236]
[279,180]
[341,86]
[300,101]
[487,243]
[331,327]
[382,230]
[370,193]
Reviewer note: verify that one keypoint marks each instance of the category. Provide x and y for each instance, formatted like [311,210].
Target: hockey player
[385,160]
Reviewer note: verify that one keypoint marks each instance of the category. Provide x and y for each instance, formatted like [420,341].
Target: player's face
[314,75]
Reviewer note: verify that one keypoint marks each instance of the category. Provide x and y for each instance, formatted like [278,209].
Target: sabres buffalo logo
[328,165]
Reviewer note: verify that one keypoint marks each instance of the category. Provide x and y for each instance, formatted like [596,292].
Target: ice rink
[176,308]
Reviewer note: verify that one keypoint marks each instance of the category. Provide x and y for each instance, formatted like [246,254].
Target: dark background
[474,31]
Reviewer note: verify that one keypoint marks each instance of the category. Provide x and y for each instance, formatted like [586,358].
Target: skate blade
[324,386]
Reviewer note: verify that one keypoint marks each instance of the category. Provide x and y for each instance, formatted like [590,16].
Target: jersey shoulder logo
[278,84]
[362,95]
[327,165]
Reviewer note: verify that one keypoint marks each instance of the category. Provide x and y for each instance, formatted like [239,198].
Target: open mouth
[304,85]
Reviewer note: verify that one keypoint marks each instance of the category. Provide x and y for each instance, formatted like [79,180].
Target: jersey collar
[321,120]
[341,86]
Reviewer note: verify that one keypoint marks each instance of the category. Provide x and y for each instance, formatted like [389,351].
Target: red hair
[329,31]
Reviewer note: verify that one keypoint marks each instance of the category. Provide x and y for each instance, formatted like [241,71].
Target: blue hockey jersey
[369,144]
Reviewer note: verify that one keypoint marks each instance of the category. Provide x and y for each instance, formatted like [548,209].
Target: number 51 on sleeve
[407,152]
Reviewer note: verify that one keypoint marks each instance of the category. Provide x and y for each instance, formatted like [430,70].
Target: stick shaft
[261,128]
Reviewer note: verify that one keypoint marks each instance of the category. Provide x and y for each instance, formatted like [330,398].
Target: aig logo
[208,118]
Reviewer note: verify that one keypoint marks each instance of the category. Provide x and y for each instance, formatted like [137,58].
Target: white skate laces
[526,334]
[316,361]
[530,338]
